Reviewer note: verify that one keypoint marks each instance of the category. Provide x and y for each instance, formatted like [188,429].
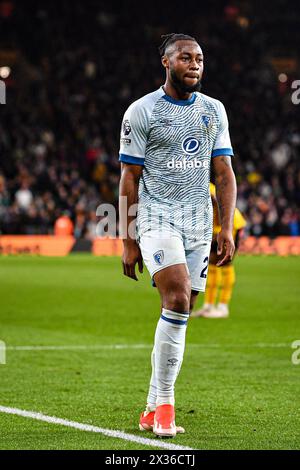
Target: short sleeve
[222,144]
[134,133]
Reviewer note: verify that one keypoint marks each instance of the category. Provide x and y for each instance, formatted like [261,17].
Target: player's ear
[165,61]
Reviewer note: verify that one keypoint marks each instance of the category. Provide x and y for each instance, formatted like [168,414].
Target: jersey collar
[180,102]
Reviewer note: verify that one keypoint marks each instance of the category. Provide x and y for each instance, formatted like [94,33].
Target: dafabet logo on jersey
[190,146]
[188,164]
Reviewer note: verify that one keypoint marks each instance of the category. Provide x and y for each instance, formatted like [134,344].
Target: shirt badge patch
[159,257]
[126,127]
[207,120]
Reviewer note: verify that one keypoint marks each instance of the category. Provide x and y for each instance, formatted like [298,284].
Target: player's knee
[178,299]
[178,302]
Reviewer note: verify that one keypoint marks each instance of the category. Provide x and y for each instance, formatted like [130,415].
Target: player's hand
[131,256]
[226,246]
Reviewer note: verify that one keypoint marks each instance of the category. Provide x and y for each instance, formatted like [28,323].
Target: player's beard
[181,87]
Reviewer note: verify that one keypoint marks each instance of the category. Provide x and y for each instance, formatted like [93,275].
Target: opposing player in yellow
[221,279]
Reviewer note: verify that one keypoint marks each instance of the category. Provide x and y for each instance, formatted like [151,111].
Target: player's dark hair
[169,39]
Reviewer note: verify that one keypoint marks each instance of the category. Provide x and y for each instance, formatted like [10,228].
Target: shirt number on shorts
[203,272]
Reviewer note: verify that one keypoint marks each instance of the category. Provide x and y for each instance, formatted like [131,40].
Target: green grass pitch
[238,388]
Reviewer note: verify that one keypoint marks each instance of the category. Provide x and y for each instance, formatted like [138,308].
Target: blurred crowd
[75,68]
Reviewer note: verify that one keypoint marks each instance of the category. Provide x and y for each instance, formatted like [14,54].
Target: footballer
[170,140]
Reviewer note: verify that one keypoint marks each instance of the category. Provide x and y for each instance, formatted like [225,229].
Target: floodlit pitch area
[238,388]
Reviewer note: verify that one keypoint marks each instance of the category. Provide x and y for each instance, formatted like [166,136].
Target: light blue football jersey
[175,141]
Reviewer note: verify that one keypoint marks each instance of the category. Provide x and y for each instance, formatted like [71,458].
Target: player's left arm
[226,197]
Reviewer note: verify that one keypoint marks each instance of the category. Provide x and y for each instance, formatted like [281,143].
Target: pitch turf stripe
[90,428]
[142,346]
[79,347]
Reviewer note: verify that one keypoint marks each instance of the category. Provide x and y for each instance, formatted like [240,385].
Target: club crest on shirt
[207,120]
[159,257]
[126,127]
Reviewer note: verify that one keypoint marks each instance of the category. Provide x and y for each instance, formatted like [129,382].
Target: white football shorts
[160,250]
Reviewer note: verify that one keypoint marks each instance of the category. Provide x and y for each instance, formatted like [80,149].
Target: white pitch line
[141,346]
[90,428]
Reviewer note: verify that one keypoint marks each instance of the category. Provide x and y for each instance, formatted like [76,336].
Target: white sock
[223,307]
[152,395]
[168,354]
[208,305]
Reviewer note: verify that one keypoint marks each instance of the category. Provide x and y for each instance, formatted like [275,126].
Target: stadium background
[77,331]
[76,67]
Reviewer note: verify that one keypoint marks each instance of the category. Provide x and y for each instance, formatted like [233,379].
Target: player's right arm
[129,184]
[132,156]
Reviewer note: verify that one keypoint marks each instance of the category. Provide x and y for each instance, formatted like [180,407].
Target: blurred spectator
[80,226]
[91,226]
[24,196]
[63,226]
[4,196]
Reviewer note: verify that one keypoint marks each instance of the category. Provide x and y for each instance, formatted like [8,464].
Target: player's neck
[171,91]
